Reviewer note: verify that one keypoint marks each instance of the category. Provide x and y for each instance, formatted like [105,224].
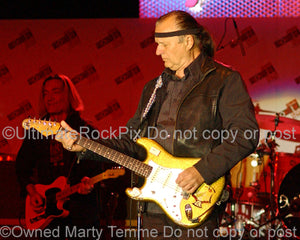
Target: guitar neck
[132,164]
[113,173]
[67,192]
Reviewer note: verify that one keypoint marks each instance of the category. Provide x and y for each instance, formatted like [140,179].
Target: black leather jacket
[217,102]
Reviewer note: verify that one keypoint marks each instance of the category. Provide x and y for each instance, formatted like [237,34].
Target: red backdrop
[111,59]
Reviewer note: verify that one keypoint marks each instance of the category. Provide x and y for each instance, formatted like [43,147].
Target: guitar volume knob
[188,212]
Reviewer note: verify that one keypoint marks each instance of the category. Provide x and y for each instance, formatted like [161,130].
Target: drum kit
[265,202]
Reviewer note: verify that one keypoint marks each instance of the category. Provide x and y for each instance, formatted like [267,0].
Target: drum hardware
[252,223]
[259,214]
[264,229]
[244,217]
[255,221]
[246,174]
[287,219]
[254,203]
[255,184]
[275,224]
[227,220]
[271,145]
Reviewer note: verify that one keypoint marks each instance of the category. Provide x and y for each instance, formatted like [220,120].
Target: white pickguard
[160,187]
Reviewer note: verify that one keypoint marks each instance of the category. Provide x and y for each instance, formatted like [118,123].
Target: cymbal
[257,110]
[287,128]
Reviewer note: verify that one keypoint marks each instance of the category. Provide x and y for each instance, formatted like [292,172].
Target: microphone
[239,38]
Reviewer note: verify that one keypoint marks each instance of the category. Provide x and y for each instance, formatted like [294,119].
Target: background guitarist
[197,96]
[42,160]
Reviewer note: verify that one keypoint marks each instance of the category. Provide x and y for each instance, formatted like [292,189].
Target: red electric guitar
[55,196]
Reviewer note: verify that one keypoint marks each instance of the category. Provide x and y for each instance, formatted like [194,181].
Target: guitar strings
[162,181]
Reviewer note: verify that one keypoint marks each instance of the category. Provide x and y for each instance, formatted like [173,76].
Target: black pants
[159,226]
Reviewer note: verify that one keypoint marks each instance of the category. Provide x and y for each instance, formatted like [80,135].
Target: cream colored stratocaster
[160,170]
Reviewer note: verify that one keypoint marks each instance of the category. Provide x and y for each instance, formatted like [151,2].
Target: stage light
[6,157]
[254,163]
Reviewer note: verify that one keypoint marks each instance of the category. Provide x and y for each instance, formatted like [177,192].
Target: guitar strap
[152,98]
[158,84]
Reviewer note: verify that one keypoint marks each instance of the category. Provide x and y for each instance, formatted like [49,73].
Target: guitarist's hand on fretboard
[67,136]
[85,187]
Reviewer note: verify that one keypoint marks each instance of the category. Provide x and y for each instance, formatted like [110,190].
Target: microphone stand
[240,41]
[139,210]
[139,219]
[272,146]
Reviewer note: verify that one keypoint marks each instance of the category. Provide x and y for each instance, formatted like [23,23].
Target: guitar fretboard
[67,192]
[113,173]
[132,164]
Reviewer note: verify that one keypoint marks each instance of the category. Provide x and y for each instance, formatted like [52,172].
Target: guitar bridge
[185,195]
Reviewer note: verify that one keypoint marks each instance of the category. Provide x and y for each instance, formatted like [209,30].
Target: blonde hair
[74,99]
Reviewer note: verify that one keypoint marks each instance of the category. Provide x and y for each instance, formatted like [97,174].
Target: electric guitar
[160,170]
[55,195]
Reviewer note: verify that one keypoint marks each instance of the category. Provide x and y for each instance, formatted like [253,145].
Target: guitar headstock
[113,173]
[46,128]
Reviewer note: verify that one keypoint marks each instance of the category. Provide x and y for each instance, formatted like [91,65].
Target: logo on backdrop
[88,72]
[133,72]
[24,108]
[293,35]
[113,108]
[26,37]
[113,37]
[5,75]
[292,109]
[148,41]
[268,72]
[44,72]
[69,37]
